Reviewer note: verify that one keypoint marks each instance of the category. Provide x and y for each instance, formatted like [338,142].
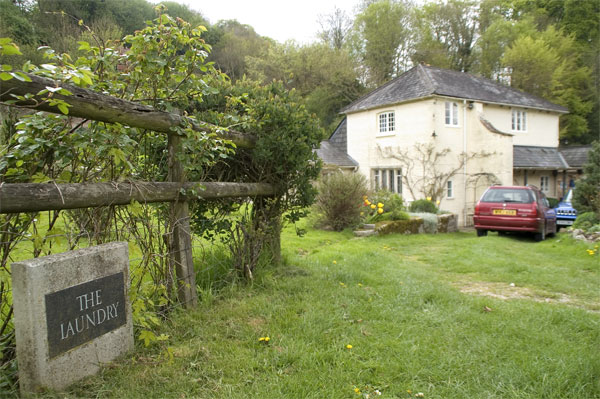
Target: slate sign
[79,314]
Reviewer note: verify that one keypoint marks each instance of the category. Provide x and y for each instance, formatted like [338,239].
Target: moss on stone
[411,226]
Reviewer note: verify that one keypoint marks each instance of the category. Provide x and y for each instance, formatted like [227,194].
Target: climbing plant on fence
[163,69]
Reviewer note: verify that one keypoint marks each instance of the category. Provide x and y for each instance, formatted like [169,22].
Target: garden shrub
[339,199]
[586,195]
[424,206]
[586,220]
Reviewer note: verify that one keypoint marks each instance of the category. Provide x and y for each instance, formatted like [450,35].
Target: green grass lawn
[448,316]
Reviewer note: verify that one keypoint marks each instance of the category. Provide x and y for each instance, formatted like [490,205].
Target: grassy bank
[448,316]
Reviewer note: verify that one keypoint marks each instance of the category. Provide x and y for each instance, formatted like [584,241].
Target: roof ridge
[428,80]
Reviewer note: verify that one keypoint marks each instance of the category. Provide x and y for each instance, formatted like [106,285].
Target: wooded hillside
[546,47]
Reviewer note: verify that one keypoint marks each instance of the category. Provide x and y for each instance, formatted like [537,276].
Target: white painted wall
[542,126]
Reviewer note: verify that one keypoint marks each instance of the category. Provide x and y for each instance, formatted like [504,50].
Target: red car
[515,208]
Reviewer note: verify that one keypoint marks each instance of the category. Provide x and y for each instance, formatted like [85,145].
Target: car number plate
[564,222]
[509,212]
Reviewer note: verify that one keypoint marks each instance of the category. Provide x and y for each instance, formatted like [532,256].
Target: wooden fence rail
[32,197]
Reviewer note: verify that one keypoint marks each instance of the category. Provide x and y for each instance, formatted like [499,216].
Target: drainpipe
[465,165]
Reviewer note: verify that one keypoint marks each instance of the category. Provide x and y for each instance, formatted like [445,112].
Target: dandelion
[408,391]
[348,346]
[264,339]
[335,262]
[360,284]
[357,391]
[342,284]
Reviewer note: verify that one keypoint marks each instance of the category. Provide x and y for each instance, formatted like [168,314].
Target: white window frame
[451,113]
[389,179]
[545,184]
[386,123]
[449,189]
[519,120]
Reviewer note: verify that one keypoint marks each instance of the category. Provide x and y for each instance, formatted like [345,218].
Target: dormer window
[451,113]
[387,122]
[519,120]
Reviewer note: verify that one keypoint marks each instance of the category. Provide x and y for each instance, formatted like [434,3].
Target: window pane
[524,122]
[384,179]
[454,114]
[391,124]
[447,113]
[383,123]
[513,120]
[375,184]
[391,173]
[399,181]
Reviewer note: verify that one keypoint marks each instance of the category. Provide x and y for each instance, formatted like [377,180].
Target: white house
[489,133]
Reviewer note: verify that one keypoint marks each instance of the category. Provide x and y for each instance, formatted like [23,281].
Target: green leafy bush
[586,195]
[423,206]
[586,220]
[339,199]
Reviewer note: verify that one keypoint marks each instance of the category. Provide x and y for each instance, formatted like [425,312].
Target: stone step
[365,233]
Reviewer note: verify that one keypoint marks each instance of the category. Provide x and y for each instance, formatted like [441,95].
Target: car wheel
[481,233]
[541,236]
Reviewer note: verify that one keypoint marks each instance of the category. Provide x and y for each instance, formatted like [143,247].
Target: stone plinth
[72,314]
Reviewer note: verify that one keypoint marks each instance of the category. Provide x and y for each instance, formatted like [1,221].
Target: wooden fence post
[180,251]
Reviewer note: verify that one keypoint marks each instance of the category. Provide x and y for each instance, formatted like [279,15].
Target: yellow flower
[379,205]
[348,346]
[380,211]
[267,339]
[373,206]
[365,197]
[428,198]
[362,214]
[357,390]
[335,262]
[437,202]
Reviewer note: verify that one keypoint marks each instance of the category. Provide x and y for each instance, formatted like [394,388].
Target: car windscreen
[508,195]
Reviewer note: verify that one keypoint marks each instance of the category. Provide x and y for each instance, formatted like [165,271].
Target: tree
[548,64]
[586,195]
[335,28]
[381,38]
[325,77]
[446,34]
[236,42]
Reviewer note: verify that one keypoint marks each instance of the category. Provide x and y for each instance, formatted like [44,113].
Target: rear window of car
[508,195]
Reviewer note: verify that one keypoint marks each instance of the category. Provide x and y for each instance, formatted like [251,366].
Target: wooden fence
[87,104]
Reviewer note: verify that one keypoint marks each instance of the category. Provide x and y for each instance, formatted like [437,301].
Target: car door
[549,213]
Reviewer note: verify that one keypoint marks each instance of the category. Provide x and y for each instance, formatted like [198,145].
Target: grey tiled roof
[333,156]
[529,157]
[576,157]
[335,150]
[423,81]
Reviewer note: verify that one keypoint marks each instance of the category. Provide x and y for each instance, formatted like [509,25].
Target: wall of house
[416,122]
[542,126]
